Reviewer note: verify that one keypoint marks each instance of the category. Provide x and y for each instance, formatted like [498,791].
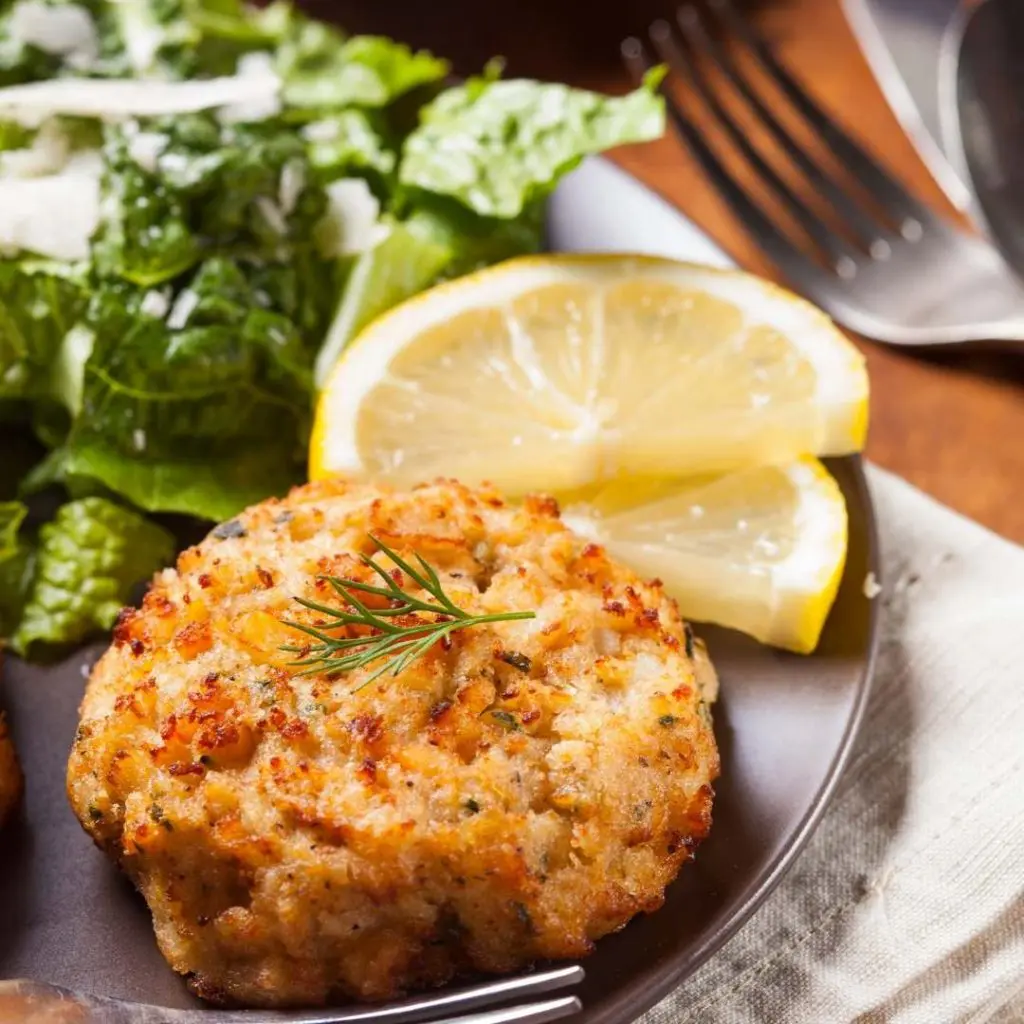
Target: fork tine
[448,1005]
[839,253]
[530,1013]
[443,1006]
[858,221]
[773,242]
[905,211]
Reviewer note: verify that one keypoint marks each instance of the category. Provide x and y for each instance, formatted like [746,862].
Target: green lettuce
[350,143]
[15,565]
[320,69]
[188,377]
[89,557]
[215,488]
[473,241]
[500,146]
[224,398]
[195,38]
[211,187]
[407,260]
[436,241]
[39,303]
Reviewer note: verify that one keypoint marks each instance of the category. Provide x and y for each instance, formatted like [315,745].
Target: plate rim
[680,969]
[662,981]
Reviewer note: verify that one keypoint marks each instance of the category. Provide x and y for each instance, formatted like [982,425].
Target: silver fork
[890,269]
[33,1002]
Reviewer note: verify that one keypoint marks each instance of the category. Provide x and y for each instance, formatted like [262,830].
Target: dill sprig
[396,644]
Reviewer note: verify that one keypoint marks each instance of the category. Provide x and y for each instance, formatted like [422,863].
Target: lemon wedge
[761,550]
[553,372]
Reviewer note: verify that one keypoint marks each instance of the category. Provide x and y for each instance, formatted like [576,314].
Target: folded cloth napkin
[908,904]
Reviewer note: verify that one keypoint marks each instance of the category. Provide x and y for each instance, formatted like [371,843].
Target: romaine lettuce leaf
[350,142]
[213,488]
[143,235]
[475,241]
[88,558]
[499,146]
[320,70]
[437,241]
[221,369]
[195,38]
[15,565]
[186,187]
[403,263]
[39,303]
[198,412]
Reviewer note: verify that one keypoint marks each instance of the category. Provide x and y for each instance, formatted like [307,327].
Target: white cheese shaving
[155,303]
[75,349]
[257,66]
[293,181]
[141,33]
[320,131]
[182,309]
[272,215]
[116,99]
[66,30]
[145,149]
[350,224]
[47,154]
[54,215]
[86,162]
[256,63]
[872,588]
[175,164]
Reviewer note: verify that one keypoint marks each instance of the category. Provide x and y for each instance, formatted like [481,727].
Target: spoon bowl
[983,116]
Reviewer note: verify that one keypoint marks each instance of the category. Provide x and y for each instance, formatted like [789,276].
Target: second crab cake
[516,792]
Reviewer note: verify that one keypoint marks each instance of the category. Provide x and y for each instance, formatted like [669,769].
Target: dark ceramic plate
[784,723]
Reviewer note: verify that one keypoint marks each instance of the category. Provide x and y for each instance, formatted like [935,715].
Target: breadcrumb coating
[520,791]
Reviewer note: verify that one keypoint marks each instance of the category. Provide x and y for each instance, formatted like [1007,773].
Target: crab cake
[517,792]
[10,772]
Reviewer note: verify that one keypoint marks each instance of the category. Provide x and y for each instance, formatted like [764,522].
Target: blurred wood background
[953,425]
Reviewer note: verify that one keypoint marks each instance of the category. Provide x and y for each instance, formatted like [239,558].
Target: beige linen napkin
[908,904]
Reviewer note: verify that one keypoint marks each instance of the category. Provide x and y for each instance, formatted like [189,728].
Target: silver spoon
[982,107]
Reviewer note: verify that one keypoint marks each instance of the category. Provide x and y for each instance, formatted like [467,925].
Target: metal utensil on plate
[905,42]
[982,116]
[885,265]
[32,1002]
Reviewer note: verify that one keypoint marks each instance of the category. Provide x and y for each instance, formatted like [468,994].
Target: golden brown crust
[10,772]
[298,841]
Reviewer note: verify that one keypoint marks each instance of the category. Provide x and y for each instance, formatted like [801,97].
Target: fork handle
[23,1001]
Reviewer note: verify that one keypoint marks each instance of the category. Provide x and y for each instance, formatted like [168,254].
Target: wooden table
[954,426]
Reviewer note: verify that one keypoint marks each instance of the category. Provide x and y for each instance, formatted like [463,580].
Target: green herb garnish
[516,660]
[507,719]
[395,644]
